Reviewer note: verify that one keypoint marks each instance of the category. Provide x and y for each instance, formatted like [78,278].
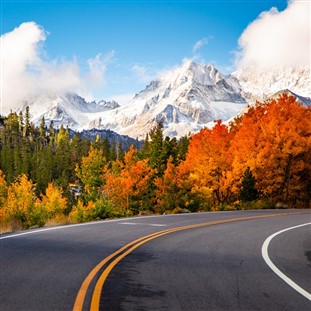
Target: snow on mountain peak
[67,109]
[185,99]
[261,83]
[192,72]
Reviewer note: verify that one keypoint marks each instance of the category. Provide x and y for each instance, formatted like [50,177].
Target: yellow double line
[130,247]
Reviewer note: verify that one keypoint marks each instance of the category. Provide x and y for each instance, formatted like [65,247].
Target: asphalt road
[212,267]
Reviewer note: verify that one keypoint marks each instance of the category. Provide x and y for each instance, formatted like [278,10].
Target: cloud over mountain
[27,70]
[199,44]
[279,39]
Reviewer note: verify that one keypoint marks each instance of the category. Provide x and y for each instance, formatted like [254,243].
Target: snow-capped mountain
[184,100]
[260,84]
[306,101]
[68,109]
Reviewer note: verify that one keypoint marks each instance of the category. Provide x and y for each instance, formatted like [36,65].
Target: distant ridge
[184,100]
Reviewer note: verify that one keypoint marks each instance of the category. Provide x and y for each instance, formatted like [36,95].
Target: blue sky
[135,40]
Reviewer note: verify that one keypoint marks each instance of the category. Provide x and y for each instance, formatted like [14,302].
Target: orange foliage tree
[210,164]
[274,140]
[175,190]
[127,182]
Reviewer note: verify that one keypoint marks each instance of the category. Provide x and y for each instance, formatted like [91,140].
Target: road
[203,261]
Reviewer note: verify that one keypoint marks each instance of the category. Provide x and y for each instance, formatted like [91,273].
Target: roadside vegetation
[261,160]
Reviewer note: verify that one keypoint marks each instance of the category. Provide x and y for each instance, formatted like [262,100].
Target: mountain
[184,100]
[306,101]
[260,84]
[68,109]
[113,138]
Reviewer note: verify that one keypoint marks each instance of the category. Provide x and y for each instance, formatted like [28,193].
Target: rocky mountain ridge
[184,99]
[260,83]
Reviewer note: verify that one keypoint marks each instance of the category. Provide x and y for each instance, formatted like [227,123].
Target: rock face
[108,105]
[184,99]
[68,109]
[260,84]
[112,137]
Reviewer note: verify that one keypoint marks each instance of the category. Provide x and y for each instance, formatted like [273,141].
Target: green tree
[248,191]
[90,172]
[63,171]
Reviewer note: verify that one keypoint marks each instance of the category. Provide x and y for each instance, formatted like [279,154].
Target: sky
[113,49]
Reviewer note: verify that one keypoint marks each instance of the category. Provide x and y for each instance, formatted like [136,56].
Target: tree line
[260,160]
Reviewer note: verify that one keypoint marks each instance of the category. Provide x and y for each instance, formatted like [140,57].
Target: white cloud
[122,99]
[143,73]
[278,39]
[25,71]
[97,67]
[199,44]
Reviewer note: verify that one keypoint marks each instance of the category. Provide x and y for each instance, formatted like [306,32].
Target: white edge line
[66,226]
[15,235]
[265,255]
[141,224]
[107,221]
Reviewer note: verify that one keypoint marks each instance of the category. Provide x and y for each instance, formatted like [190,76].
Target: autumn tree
[210,164]
[90,172]
[176,190]
[21,202]
[3,189]
[53,202]
[127,183]
[3,196]
[274,140]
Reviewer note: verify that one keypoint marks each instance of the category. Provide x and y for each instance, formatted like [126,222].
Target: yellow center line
[78,306]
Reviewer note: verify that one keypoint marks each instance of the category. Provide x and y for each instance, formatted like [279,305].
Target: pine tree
[90,172]
[27,123]
[248,191]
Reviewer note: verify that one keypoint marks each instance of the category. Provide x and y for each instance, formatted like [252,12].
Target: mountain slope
[68,109]
[260,84]
[184,100]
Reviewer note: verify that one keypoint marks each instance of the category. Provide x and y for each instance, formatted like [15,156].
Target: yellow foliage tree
[3,196]
[53,201]
[80,213]
[21,201]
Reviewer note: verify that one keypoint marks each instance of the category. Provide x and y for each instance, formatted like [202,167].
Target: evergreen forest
[262,159]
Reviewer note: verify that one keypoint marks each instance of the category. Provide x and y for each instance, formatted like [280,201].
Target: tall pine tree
[248,191]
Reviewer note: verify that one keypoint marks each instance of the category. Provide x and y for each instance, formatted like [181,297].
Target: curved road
[204,261]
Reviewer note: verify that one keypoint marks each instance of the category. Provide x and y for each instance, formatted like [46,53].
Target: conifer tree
[248,191]
[90,172]
[27,123]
